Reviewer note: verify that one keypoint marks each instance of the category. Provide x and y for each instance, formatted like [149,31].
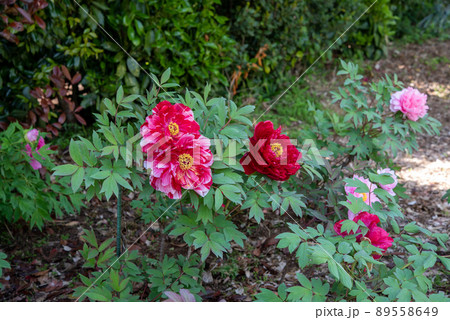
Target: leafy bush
[365,134]
[187,36]
[409,14]
[365,131]
[116,283]
[201,41]
[299,31]
[26,192]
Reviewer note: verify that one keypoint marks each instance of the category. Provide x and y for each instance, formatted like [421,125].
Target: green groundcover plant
[189,159]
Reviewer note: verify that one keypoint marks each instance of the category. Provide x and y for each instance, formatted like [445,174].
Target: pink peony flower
[32,135]
[184,164]
[368,197]
[410,102]
[167,122]
[389,187]
[33,162]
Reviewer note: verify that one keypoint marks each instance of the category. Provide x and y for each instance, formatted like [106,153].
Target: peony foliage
[196,162]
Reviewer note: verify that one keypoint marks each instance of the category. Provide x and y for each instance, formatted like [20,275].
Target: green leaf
[205,250]
[446,262]
[65,170]
[124,183]
[231,192]
[333,268]
[222,179]
[109,105]
[200,239]
[92,253]
[282,291]
[430,260]
[119,95]
[267,296]
[77,179]
[395,226]
[114,276]
[96,296]
[257,213]
[75,153]
[165,76]
[344,247]
[383,179]
[345,278]
[109,187]
[349,226]
[105,244]
[302,255]
[204,214]
[134,69]
[304,281]
[361,187]
[218,200]
[404,295]
[100,175]
[411,227]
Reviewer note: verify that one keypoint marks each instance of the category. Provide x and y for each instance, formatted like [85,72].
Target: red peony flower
[271,153]
[377,236]
[167,123]
[185,165]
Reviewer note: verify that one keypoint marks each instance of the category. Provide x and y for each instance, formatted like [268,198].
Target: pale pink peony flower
[33,162]
[410,102]
[184,296]
[389,187]
[185,164]
[368,197]
[32,135]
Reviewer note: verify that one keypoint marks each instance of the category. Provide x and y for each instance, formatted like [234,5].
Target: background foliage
[201,41]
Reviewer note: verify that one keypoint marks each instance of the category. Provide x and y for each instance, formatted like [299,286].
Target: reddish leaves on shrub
[58,99]
[24,15]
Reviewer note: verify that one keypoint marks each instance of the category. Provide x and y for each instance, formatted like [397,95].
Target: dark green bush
[299,31]
[189,37]
[201,41]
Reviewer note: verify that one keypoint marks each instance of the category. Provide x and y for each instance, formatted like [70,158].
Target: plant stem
[119,221]
[162,241]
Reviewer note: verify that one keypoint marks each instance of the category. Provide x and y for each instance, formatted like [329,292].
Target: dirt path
[426,172]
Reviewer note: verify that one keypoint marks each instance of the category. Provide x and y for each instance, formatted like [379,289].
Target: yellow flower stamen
[185,161]
[277,149]
[365,196]
[173,128]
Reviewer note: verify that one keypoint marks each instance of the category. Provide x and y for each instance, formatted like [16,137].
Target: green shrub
[25,193]
[300,31]
[366,134]
[187,36]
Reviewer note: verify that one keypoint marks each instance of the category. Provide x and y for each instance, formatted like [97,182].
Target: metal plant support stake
[119,221]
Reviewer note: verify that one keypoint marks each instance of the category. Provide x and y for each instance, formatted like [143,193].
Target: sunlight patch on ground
[433,173]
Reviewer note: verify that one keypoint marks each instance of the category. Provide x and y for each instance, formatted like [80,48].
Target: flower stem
[119,221]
